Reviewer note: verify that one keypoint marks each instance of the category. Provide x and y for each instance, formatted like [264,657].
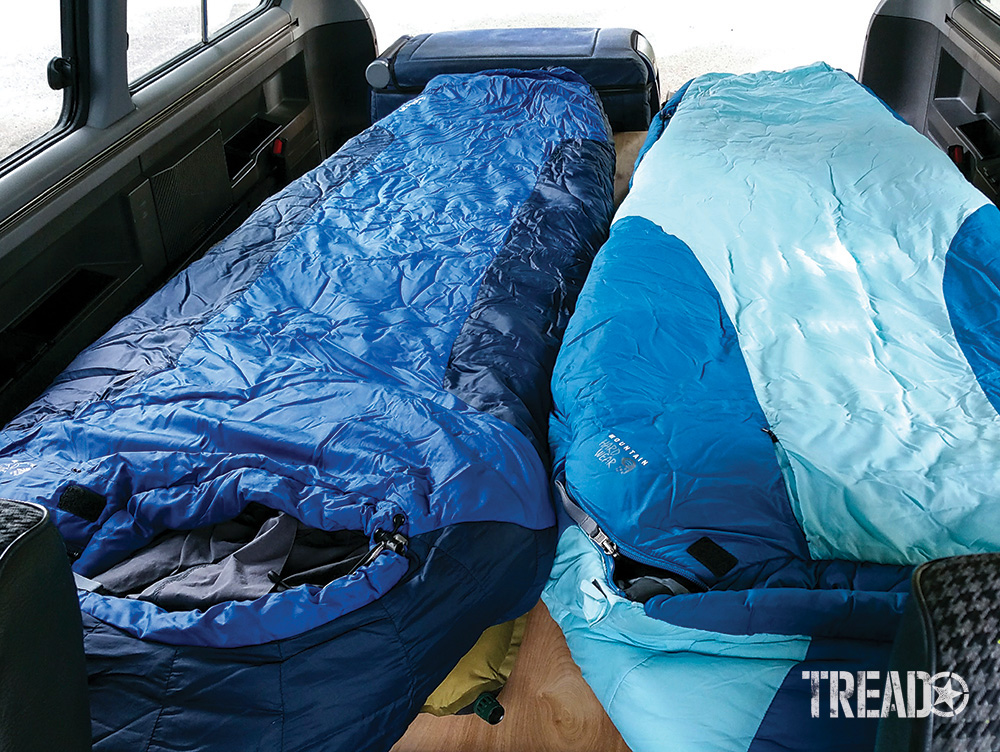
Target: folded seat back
[43,680]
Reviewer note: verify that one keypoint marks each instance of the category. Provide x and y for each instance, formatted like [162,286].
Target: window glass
[993,6]
[161,30]
[221,13]
[28,107]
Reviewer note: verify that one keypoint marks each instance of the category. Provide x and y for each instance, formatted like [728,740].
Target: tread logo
[614,452]
[913,694]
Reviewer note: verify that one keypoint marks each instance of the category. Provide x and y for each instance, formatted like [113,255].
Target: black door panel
[937,63]
[92,224]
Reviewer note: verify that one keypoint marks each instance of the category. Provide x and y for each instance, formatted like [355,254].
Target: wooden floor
[549,707]
[627,145]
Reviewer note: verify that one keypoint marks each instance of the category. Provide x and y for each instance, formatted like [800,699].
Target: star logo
[951,694]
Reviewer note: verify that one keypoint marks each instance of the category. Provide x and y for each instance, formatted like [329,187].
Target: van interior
[168,138]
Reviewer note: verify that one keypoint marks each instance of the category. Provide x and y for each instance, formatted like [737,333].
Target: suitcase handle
[379,72]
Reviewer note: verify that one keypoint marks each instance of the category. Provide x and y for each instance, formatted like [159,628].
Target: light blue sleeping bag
[778,393]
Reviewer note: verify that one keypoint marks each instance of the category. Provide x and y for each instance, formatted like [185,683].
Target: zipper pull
[280,585]
[605,543]
[393,540]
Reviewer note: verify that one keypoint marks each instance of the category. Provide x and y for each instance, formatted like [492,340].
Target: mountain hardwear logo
[913,694]
[615,452]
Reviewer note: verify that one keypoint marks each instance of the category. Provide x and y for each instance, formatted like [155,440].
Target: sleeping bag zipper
[637,576]
[391,540]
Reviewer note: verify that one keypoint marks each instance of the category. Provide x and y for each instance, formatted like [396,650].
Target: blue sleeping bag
[778,393]
[301,479]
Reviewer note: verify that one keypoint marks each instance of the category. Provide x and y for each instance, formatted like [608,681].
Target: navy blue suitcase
[618,63]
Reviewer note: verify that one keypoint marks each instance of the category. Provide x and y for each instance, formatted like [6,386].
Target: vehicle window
[221,13]
[28,107]
[993,6]
[160,31]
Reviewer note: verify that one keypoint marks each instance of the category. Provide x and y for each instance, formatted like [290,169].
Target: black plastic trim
[972,39]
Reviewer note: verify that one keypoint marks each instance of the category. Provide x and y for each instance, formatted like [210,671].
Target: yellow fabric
[485,668]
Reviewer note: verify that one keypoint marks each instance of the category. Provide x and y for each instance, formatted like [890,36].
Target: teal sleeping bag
[778,393]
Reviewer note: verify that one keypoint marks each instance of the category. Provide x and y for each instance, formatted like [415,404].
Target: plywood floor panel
[627,146]
[549,707]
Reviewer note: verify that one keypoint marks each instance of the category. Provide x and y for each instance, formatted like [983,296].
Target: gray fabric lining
[242,559]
